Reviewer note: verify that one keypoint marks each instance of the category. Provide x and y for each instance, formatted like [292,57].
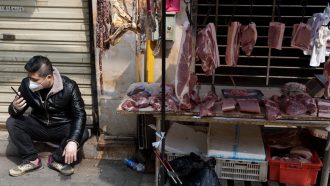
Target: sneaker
[64,169]
[24,168]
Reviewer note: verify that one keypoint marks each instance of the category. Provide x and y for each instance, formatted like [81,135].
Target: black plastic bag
[193,171]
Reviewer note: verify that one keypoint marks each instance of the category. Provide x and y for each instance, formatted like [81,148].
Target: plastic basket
[294,173]
[241,170]
[171,156]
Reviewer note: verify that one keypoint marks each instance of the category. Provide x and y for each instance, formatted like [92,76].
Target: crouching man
[57,116]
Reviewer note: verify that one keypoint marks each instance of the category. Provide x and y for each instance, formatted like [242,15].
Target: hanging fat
[275,35]
[232,49]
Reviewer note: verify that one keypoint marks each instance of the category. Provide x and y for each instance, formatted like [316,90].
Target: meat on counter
[249,105]
[273,111]
[207,105]
[228,104]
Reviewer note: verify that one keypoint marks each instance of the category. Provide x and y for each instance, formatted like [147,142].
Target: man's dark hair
[39,64]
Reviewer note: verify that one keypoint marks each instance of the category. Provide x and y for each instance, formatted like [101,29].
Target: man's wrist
[71,140]
[14,109]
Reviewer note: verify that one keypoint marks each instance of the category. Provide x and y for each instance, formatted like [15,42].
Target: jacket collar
[58,83]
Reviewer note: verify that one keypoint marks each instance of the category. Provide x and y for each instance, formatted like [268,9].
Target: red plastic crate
[294,173]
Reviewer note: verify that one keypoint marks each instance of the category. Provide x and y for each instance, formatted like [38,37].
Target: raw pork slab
[207,49]
[249,105]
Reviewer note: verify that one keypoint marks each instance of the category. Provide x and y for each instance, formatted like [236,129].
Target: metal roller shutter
[58,29]
[265,67]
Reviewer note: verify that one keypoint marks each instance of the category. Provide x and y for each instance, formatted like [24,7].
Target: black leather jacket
[63,105]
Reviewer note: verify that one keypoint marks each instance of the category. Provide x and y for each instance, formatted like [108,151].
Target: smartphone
[14,91]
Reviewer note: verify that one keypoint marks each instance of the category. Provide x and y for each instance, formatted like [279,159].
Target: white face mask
[35,86]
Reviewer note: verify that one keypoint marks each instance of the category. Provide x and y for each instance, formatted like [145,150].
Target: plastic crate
[294,173]
[171,156]
[241,170]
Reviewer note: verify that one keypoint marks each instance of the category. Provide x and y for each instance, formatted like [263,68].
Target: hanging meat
[302,36]
[102,23]
[184,80]
[275,35]
[207,49]
[248,37]
[233,43]
[121,21]
[102,32]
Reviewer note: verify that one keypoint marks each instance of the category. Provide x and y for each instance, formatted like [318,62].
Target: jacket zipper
[44,106]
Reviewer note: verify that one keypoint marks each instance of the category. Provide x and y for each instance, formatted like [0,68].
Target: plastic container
[241,170]
[133,165]
[294,173]
[172,156]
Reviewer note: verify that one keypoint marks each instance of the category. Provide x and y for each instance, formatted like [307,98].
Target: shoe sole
[63,173]
[16,175]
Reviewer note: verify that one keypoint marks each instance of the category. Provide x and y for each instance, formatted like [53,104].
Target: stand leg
[157,163]
[326,166]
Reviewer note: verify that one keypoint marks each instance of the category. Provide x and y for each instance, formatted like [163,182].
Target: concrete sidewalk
[88,172]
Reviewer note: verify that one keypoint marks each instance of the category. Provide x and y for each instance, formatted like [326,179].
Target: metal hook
[278,3]
[303,3]
[234,11]
[187,1]
[252,2]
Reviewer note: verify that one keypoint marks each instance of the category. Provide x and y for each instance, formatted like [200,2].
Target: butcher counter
[219,117]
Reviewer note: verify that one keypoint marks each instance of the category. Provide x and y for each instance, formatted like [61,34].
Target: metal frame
[269,69]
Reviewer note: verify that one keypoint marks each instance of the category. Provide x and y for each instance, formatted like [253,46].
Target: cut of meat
[302,151]
[129,105]
[208,103]
[238,93]
[298,104]
[302,37]
[141,100]
[323,108]
[249,105]
[228,104]
[207,49]
[323,102]
[155,103]
[248,38]
[273,111]
[275,35]
[232,49]
[293,107]
[183,79]
[324,115]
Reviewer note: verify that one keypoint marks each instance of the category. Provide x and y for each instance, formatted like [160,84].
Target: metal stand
[162,127]
[326,167]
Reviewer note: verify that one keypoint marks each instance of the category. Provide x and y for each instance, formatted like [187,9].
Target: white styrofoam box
[243,142]
[182,139]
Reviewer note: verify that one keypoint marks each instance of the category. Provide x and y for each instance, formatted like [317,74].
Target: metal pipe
[270,50]
[163,46]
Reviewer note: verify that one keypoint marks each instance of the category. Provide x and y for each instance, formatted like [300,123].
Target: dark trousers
[23,130]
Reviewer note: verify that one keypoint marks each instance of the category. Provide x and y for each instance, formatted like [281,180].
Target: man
[57,116]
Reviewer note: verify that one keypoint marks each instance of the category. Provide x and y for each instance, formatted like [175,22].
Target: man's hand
[70,152]
[19,103]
